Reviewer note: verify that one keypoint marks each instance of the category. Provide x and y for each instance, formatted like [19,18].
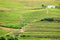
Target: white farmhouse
[50,6]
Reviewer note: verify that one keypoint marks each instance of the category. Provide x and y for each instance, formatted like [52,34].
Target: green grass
[16,18]
[42,33]
[2,33]
[19,17]
[38,39]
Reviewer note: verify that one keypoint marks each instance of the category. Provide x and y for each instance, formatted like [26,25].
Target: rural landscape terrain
[29,19]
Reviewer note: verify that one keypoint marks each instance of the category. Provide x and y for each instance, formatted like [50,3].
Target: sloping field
[25,3]
[13,15]
[38,28]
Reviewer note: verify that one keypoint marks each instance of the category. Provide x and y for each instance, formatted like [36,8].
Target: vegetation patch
[50,20]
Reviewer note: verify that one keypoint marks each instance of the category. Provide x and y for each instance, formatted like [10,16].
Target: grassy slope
[36,24]
[2,33]
[37,39]
[16,17]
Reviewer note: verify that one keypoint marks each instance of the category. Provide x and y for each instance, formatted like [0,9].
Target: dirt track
[8,29]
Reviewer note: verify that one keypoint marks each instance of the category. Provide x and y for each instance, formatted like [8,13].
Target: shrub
[10,38]
[23,36]
[2,38]
[16,38]
[47,19]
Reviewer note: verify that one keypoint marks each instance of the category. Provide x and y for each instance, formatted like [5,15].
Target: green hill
[12,11]
[36,22]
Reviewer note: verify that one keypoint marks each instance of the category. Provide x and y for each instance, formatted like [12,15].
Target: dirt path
[8,29]
[11,31]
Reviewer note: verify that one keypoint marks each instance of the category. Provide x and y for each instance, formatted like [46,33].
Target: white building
[50,6]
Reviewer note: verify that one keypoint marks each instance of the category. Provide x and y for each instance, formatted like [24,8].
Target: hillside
[24,3]
[36,23]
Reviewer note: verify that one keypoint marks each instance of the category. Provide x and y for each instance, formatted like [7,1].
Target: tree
[43,6]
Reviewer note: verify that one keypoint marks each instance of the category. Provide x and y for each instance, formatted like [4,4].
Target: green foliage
[2,38]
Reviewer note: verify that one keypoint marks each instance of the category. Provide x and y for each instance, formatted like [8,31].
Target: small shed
[50,6]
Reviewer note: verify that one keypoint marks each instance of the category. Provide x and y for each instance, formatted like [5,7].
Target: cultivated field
[29,16]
